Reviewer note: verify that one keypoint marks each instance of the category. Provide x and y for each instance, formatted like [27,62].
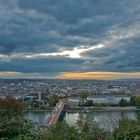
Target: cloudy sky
[70,38]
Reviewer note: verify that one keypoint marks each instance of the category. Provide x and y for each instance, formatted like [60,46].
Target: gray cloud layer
[51,36]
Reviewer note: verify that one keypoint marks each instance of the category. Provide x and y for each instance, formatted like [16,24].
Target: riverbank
[87,109]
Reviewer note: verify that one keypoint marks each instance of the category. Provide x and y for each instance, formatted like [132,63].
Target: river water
[107,120]
[38,117]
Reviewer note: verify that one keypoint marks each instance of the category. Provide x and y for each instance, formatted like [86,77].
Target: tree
[13,125]
[137,100]
[61,131]
[132,100]
[53,100]
[127,129]
[84,95]
[84,130]
[10,108]
[15,130]
[123,102]
[89,103]
[89,130]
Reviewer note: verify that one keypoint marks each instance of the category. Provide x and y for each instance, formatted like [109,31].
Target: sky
[70,39]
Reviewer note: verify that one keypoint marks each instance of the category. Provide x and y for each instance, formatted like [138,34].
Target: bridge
[55,114]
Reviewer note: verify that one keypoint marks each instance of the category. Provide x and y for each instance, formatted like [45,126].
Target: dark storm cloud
[51,65]
[72,11]
[123,56]
[38,35]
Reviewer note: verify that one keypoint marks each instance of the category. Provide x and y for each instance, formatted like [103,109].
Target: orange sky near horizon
[99,75]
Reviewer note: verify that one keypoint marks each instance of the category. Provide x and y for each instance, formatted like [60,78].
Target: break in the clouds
[50,37]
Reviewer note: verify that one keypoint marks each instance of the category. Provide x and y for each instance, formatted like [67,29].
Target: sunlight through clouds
[36,38]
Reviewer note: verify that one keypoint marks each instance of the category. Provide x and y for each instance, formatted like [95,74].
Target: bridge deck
[55,113]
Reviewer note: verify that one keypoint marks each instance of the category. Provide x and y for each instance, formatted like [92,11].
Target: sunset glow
[99,75]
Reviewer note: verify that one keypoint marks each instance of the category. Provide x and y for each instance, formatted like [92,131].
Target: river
[105,119]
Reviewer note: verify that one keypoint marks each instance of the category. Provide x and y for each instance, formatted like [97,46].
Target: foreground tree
[89,130]
[61,131]
[10,108]
[16,130]
[127,130]
[13,125]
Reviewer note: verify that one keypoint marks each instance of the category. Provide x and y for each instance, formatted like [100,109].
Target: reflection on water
[71,119]
[38,117]
[106,120]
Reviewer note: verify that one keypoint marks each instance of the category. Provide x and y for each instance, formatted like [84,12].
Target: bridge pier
[62,115]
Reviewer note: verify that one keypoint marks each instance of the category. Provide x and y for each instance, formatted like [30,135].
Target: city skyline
[77,39]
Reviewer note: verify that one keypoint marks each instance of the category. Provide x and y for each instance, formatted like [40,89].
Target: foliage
[86,129]
[123,103]
[13,126]
[84,95]
[15,130]
[127,130]
[53,100]
[132,100]
[89,130]
[61,131]
[135,100]
[83,131]
[87,103]
[10,108]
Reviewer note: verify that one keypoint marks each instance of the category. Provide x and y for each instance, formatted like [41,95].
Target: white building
[74,100]
[113,100]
